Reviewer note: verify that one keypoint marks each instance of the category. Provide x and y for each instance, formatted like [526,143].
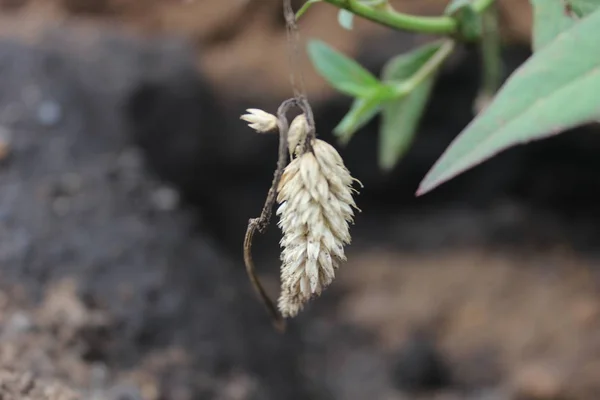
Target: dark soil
[126,183]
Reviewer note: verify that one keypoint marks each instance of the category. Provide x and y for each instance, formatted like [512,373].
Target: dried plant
[315,193]
[260,120]
[316,207]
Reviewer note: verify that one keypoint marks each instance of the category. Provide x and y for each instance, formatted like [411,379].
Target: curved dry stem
[278,321]
[261,223]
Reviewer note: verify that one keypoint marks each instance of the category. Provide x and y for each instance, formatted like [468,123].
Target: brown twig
[293,38]
[261,223]
[310,119]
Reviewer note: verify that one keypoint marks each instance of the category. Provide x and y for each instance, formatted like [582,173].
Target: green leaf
[582,8]
[343,73]
[555,90]
[361,112]
[346,19]
[550,18]
[400,117]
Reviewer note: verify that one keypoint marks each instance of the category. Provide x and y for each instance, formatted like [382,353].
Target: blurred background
[127,180]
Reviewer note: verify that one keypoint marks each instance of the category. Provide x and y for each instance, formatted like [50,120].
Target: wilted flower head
[316,207]
[297,133]
[259,120]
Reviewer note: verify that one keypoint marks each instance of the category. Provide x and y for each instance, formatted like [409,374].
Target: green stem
[433,25]
[305,8]
[479,6]
[491,53]
[429,68]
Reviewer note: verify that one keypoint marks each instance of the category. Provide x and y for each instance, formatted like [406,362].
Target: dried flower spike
[259,120]
[316,207]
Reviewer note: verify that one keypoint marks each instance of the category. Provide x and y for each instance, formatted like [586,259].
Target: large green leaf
[556,89]
[343,73]
[583,7]
[550,18]
[400,117]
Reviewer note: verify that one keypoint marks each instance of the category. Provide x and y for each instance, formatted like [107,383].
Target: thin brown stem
[293,38]
[310,120]
[261,223]
[278,321]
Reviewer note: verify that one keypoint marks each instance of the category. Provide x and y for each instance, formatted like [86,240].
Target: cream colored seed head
[259,120]
[297,134]
[316,207]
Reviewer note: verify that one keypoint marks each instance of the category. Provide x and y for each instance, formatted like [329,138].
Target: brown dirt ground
[524,325]
[533,319]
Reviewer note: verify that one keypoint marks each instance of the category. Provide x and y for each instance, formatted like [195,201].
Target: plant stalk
[479,6]
[442,25]
[429,68]
[491,57]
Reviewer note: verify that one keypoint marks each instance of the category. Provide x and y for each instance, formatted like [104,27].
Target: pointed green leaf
[345,19]
[400,117]
[556,89]
[583,7]
[343,73]
[550,18]
[361,112]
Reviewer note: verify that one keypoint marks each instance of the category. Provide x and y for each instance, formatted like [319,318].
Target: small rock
[98,375]
[165,199]
[239,387]
[49,113]
[538,381]
[150,390]
[18,324]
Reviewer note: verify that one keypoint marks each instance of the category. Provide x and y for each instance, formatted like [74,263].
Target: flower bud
[259,120]
[297,134]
